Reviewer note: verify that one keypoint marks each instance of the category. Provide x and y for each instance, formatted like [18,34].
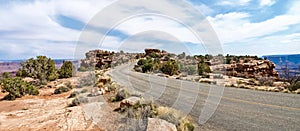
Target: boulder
[138,68]
[131,101]
[155,124]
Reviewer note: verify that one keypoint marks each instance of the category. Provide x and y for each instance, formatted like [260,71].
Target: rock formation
[251,69]
[97,58]
[156,51]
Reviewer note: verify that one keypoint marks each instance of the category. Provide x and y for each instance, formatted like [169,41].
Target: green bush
[154,55]
[5,75]
[74,94]
[203,68]
[170,67]
[147,67]
[17,88]
[66,70]
[146,64]
[41,68]
[142,62]
[189,126]
[61,89]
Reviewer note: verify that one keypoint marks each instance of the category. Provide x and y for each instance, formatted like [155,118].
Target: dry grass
[181,121]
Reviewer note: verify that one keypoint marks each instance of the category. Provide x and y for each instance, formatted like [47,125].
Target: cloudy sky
[256,27]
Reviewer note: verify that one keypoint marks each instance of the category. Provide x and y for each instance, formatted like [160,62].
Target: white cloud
[266,2]
[35,20]
[156,23]
[276,44]
[24,49]
[32,23]
[239,35]
[31,26]
[235,2]
[236,26]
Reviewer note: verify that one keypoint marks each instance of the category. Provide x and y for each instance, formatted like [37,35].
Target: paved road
[239,109]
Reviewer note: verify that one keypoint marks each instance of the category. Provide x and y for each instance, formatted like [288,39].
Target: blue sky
[52,28]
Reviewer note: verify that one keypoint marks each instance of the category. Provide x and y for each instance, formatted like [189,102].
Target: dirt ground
[47,111]
[43,112]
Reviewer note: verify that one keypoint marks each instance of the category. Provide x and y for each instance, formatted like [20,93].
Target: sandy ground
[43,113]
[48,111]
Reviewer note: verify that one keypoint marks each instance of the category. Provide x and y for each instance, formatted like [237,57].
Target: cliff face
[250,69]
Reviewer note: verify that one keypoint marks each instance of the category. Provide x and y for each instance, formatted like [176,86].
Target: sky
[244,27]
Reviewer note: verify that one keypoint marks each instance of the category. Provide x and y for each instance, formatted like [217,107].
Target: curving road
[239,109]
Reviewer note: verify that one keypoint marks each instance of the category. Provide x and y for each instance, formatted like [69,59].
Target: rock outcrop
[97,58]
[156,51]
[251,69]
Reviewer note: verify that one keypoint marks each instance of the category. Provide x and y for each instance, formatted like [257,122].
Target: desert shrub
[266,81]
[112,86]
[185,125]
[142,62]
[136,116]
[182,55]
[5,75]
[69,85]
[188,126]
[41,68]
[294,86]
[145,64]
[147,67]
[203,68]
[170,67]
[190,69]
[61,89]
[86,81]
[74,94]
[17,88]
[78,101]
[177,118]
[82,69]
[121,95]
[84,91]
[66,70]
[154,55]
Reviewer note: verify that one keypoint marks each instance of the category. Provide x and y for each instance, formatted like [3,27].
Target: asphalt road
[238,109]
